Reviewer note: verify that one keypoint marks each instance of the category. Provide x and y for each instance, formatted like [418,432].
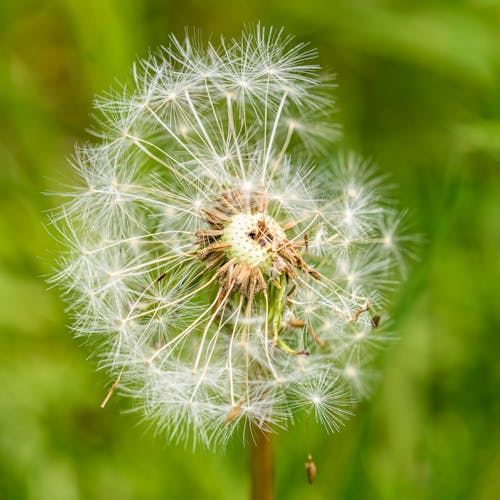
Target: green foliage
[419,92]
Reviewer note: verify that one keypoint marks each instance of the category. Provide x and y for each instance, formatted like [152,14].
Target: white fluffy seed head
[226,279]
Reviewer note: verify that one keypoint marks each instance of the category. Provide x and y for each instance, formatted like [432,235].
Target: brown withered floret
[239,277]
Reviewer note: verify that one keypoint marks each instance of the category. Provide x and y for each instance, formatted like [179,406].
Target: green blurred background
[419,91]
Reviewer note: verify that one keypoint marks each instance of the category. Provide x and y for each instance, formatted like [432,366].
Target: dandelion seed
[310,469]
[224,268]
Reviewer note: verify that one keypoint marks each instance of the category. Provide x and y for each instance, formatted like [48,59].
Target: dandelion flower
[228,273]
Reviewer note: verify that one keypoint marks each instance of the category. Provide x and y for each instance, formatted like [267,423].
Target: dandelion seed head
[216,259]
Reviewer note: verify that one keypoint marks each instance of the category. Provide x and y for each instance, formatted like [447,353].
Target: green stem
[277,298]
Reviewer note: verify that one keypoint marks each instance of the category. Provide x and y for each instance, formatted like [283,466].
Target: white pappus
[225,269]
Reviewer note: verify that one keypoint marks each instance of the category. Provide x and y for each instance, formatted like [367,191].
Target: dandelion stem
[261,465]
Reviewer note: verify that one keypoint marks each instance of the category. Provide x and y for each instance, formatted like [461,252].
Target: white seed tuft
[226,271]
